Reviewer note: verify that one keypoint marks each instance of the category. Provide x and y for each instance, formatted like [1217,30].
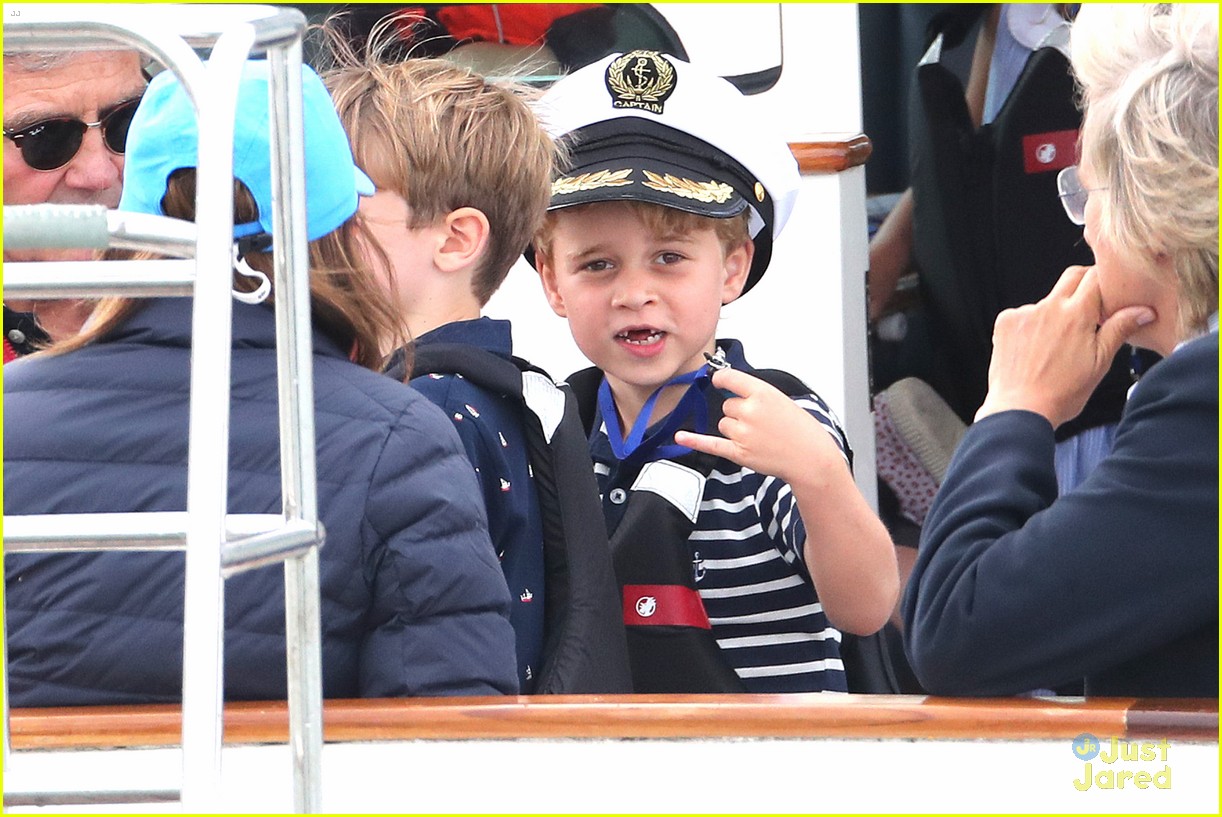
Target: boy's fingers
[717,446]
[741,383]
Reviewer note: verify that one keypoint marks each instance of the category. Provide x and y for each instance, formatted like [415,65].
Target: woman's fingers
[1068,283]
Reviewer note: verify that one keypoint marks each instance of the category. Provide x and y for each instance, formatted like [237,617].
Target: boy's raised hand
[766,431]
[847,550]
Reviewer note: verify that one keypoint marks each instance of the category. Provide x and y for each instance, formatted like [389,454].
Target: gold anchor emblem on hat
[640,79]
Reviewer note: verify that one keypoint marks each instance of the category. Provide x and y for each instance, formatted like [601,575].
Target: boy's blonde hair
[443,137]
[658,221]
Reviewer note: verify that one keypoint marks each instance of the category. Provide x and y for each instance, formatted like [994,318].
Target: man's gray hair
[35,62]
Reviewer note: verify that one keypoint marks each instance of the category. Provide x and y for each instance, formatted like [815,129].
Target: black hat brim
[657,165]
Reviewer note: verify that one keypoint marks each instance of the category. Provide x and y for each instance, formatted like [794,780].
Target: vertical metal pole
[304,679]
[208,457]
[294,349]
[4,662]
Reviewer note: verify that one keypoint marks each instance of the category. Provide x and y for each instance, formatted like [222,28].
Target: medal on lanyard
[691,409]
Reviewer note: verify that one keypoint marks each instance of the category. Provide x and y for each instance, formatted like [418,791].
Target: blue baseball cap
[164,137]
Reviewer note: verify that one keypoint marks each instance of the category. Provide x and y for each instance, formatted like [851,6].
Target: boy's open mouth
[640,337]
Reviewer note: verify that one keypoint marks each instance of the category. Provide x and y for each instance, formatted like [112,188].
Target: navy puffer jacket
[413,599]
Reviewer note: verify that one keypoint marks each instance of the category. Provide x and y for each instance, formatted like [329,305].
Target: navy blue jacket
[413,600]
[1115,582]
[490,426]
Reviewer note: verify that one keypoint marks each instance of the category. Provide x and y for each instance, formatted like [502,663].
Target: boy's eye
[597,265]
[669,258]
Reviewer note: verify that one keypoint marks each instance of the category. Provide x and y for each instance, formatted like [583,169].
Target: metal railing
[217,544]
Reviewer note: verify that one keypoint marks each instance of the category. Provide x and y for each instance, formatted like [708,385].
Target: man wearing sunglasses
[65,130]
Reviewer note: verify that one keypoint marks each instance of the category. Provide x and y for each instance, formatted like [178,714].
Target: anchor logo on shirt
[698,569]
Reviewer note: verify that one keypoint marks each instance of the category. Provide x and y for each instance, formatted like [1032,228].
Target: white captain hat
[646,126]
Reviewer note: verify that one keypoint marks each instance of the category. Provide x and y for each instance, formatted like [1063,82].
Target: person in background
[982,230]
[1015,588]
[65,129]
[1022,129]
[738,556]
[412,598]
[463,175]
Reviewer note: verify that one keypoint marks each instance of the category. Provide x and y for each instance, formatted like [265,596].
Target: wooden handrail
[642,716]
[832,154]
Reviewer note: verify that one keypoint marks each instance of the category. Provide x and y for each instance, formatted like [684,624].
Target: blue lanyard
[636,444]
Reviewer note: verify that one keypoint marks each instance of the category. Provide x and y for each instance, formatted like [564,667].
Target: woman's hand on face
[1049,356]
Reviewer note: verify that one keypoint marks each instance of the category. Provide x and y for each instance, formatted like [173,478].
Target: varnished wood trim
[1157,718]
[832,155]
[641,716]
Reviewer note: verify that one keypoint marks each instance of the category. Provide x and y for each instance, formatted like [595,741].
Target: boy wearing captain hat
[738,556]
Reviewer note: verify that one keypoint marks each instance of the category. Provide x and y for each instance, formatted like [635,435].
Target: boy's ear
[738,266]
[465,237]
[547,275]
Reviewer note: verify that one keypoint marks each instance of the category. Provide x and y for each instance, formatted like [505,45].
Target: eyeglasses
[1073,195]
[52,143]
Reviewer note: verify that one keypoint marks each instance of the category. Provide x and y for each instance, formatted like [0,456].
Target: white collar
[1032,23]
[1211,325]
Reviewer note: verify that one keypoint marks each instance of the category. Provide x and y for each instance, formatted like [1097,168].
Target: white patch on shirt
[677,484]
[544,400]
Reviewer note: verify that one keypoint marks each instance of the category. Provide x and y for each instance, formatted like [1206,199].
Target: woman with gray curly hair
[1116,582]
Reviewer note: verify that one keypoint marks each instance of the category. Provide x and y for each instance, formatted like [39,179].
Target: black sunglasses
[52,143]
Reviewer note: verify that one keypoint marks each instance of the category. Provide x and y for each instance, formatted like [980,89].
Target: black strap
[502,375]
[584,648]
[584,385]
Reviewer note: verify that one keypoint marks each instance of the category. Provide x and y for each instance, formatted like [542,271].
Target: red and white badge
[1046,152]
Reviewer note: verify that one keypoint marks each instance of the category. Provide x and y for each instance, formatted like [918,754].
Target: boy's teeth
[641,337]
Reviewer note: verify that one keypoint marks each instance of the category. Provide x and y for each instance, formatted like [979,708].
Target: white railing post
[216,543]
[295,378]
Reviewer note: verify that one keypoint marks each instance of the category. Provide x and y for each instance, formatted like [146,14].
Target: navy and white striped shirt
[747,555]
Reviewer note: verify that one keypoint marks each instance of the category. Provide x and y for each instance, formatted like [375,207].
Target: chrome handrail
[171,34]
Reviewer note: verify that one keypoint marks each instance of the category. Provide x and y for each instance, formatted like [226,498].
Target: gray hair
[1148,80]
[36,62]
